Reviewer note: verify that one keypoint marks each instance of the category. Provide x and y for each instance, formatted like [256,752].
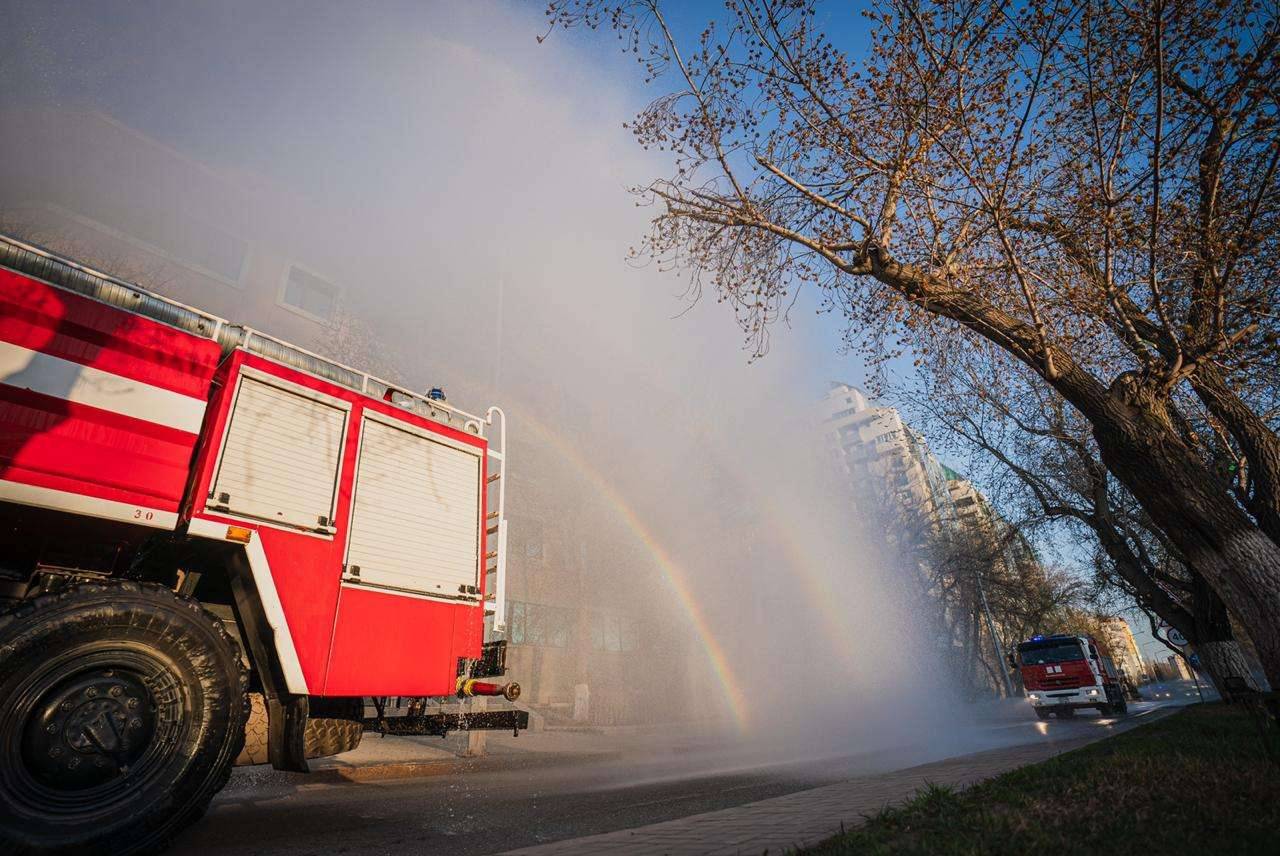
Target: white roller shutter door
[280,458]
[415,524]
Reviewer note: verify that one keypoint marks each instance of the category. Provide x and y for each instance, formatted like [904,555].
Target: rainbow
[675,576]
[814,574]
[815,581]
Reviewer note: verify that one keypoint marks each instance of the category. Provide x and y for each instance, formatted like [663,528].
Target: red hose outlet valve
[471,687]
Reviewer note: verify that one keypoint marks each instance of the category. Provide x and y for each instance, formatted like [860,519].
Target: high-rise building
[902,487]
[86,185]
[877,449]
[972,508]
[941,523]
[1174,668]
[1118,637]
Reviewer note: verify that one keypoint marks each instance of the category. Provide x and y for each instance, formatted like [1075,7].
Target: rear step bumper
[440,724]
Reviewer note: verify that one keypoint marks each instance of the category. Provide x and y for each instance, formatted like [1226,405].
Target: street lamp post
[995,639]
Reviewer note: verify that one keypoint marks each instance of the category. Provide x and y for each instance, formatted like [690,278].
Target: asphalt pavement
[517,800]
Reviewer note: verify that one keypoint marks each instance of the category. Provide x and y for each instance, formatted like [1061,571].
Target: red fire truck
[204,528]
[1062,674]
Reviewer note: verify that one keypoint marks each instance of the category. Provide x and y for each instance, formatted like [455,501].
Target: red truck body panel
[1071,674]
[108,414]
[335,626]
[407,632]
[100,409]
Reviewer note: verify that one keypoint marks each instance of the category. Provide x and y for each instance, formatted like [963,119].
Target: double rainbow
[675,576]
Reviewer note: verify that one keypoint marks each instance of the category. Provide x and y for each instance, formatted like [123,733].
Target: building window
[310,294]
[611,632]
[538,624]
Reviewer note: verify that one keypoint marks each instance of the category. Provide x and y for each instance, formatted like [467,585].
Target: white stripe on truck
[24,368]
[294,680]
[90,506]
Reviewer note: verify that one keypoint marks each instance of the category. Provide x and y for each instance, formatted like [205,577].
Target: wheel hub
[89,729]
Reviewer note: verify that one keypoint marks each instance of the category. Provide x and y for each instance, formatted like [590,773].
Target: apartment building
[87,186]
[874,445]
[1118,636]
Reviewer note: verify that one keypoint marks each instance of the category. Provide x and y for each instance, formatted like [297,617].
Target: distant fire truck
[1062,674]
[203,529]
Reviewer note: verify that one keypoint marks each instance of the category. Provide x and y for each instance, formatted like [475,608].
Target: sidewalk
[379,758]
[807,817]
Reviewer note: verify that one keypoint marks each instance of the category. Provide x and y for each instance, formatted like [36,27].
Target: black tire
[77,667]
[1041,713]
[335,726]
[1105,710]
[254,750]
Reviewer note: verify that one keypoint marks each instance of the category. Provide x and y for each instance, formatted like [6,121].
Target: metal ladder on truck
[495,526]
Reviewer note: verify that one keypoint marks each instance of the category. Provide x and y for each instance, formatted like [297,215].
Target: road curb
[389,771]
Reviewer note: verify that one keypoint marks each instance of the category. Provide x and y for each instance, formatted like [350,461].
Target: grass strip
[1199,781]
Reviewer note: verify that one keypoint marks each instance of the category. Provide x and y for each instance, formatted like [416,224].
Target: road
[537,800]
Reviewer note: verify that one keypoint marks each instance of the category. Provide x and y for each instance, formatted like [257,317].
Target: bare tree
[1090,187]
[972,577]
[1001,594]
[1031,436]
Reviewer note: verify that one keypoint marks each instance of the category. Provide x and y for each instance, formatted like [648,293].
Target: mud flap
[286,712]
[286,737]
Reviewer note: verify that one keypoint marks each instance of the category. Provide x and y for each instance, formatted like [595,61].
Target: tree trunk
[1259,442]
[1224,659]
[1214,639]
[1140,446]
[1216,537]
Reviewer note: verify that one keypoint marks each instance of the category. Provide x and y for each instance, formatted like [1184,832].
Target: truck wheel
[336,727]
[123,707]
[1042,713]
[254,750]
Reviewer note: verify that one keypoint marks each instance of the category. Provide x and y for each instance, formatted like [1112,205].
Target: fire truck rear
[205,530]
[1062,674]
